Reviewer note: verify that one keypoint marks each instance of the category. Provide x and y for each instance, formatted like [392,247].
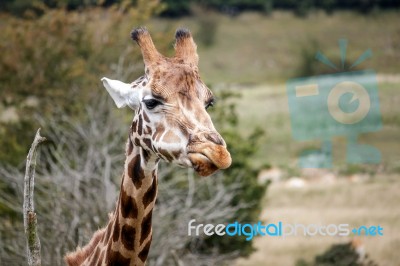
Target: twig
[176,258]
[30,220]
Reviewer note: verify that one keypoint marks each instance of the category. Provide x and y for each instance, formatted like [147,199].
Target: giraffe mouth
[209,159]
[208,156]
[202,164]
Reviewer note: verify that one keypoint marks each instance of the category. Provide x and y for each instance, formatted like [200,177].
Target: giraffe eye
[151,103]
[210,104]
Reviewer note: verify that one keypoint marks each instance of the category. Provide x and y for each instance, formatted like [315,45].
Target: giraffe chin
[201,164]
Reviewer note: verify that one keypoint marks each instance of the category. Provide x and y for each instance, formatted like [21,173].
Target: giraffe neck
[129,234]
[126,239]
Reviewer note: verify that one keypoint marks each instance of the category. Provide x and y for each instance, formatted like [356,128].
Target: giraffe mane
[77,257]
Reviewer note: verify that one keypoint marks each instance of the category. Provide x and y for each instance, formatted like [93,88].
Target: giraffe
[170,123]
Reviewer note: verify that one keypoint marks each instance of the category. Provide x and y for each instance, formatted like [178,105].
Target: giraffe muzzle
[208,157]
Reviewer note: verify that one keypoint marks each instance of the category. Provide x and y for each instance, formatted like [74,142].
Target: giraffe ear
[122,93]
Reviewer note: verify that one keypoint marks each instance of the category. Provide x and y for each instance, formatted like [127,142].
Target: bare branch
[30,220]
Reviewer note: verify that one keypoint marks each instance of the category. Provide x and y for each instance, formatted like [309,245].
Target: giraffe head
[170,101]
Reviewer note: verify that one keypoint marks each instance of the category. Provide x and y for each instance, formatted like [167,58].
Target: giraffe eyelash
[151,103]
[210,103]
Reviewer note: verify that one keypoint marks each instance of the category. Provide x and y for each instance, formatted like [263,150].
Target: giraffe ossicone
[170,123]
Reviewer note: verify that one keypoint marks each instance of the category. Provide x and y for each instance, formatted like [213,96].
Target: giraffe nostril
[216,138]
[203,137]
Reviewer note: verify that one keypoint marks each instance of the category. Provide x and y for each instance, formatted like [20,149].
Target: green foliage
[302,8]
[302,262]
[176,8]
[308,64]
[237,4]
[341,254]
[327,5]
[268,7]
[13,148]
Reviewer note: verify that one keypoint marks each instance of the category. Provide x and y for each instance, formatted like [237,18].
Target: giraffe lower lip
[202,164]
[200,156]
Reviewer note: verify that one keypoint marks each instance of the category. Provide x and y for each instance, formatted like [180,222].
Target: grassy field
[258,54]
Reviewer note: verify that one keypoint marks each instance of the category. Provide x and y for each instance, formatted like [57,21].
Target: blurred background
[53,54]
